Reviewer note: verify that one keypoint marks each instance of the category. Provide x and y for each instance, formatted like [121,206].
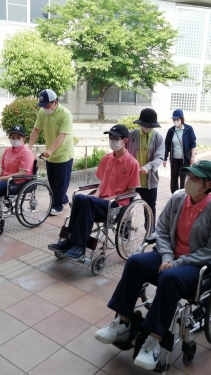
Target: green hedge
[128,121]
[92,161]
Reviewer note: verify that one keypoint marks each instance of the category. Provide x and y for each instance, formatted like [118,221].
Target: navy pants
[85,211]
[172,285]
[59,175]
[14,188]
[176,164]
[150,197]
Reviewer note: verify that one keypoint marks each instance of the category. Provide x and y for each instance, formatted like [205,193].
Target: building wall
[194,48]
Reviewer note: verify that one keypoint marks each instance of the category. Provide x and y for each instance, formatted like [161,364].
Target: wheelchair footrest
[161,367]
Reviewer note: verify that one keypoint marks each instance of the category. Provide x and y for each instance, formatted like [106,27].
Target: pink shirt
[16,158]
[118,175]
[187,217]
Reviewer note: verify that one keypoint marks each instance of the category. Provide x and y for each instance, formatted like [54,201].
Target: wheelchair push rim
[34,203]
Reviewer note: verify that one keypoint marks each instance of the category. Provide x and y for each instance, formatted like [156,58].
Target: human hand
[192,160]
[165,163]
[143,170]
[47,153]
[164,266]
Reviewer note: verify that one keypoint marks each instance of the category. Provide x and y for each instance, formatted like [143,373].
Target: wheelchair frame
[122,229]
[24,204]
[189,320]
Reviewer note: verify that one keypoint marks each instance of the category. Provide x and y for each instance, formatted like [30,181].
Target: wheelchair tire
[59,255]
[189,352]
[133,227]
[33,203]
[98,265]
[1,227]
[207,320]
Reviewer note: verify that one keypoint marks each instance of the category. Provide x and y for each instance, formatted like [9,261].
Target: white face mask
[115,145]
[49,111]
[193,188]
[16,142]
[177,123]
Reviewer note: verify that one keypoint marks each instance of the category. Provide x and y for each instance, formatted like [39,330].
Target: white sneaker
[149,354]
[113,332]
[55,212]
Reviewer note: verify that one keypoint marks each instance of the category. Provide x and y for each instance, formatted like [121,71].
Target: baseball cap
[118,131]
[18,129]
[177,113]
[200,169]
[148,119]
[46,96]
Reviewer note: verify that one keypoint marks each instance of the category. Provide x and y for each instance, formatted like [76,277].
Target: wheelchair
[192,315]
[130,225]
[31,205]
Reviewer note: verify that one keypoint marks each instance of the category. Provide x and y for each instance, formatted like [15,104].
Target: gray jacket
[155,154]
[200,233]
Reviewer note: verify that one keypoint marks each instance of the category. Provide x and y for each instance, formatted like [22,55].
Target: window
[3,10]
[17,10]
[114,95]
[36,9]
[187,102]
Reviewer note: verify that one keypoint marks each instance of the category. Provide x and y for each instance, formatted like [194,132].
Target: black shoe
[61,247]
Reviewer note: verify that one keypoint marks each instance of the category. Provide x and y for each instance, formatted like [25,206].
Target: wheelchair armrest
[125,196]
[25,176]
[88,187]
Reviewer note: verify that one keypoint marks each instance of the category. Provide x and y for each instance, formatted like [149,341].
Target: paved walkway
[50,309]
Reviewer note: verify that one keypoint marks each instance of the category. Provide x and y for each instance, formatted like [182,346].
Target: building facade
[193,48]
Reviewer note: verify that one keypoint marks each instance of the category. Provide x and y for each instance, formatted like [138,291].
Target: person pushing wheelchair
[183,246]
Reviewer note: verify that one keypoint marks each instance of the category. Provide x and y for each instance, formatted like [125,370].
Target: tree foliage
[125,43]
[206,79]
[31,64]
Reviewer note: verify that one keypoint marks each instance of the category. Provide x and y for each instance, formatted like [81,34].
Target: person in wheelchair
[118,173]
[183,246]
[16,160]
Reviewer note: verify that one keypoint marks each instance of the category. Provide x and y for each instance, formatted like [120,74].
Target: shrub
[128,121]
[92,161]
[75,140]
[21,111]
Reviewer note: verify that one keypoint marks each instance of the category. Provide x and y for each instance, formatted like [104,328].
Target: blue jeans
[172,285]
[85,211]
[59,175]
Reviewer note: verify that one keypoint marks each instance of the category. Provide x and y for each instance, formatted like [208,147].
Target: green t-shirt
[142,155]
[60,121]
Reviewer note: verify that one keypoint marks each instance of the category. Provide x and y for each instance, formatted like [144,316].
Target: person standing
[56,123]
[147,146]
[180,143]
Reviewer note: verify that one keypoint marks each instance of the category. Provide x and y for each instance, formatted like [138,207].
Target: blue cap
[177,113]
[46,96]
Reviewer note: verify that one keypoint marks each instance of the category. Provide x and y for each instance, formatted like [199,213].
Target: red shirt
[16,158]
[187,217]
[118,175]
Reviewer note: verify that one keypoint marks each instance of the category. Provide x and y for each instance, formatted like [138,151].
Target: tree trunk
[100,104]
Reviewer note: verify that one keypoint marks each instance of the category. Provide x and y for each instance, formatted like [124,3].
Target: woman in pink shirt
[16,160]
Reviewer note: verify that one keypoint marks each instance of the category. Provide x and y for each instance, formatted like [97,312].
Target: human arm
[155,152]
[129,190]
[192,145]
[192,158]
[33,137]
[58,141]
[165,163]
[21,172]
[1,171]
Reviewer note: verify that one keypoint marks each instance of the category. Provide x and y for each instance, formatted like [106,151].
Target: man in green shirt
[56,123]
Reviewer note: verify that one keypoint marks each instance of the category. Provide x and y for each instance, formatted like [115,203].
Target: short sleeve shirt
[16,158]
[118,175]
[60,121]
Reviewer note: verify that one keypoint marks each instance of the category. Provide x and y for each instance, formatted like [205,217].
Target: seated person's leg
[139,268]
[172,285]
[3,188]
[84,212]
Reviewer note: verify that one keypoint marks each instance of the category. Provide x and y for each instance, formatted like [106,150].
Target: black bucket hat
[148,119]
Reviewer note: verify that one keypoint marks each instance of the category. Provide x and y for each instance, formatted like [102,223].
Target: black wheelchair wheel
[189,352]
[133,227]
[33,204]
[207,320]
[59,255]
[98,265]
